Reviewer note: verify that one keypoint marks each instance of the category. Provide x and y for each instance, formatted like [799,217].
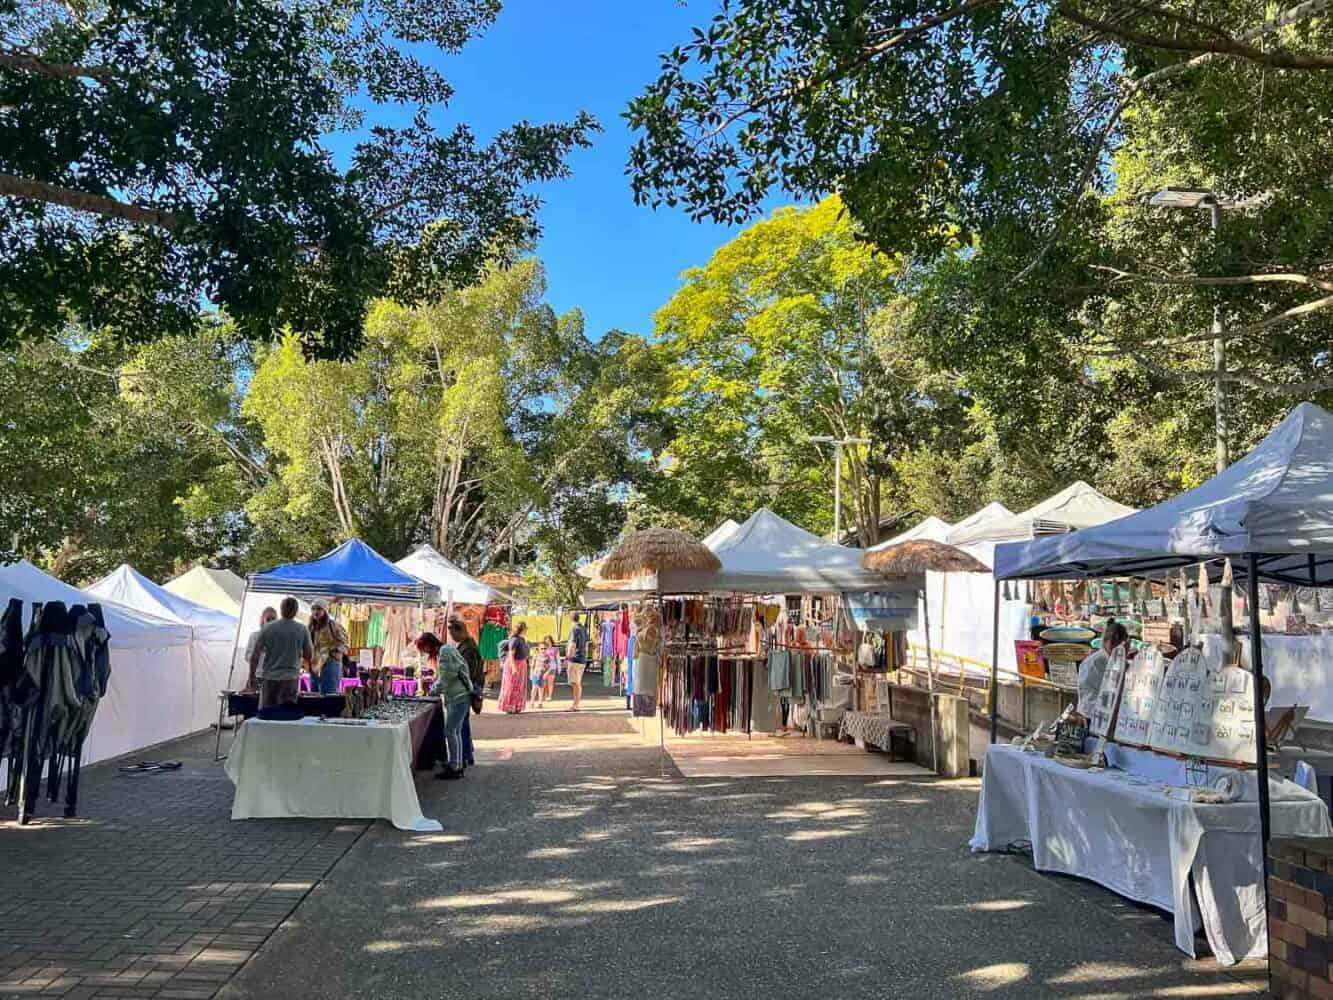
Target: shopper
[265,616]
[1092,668]
[330,641]
[577,658]
[476,668]
[513,687]
[283,646]
[552,668]
[453,685]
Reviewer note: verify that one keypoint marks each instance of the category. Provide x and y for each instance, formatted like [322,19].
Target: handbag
[477,702]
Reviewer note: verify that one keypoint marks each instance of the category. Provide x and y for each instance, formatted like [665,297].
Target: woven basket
[1067,634]
[1066,652]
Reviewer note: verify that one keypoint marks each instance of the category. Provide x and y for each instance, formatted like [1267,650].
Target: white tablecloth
[309,768]
[1125,833]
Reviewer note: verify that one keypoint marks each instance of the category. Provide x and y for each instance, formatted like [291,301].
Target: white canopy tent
[219,589]
[150,696]
[1270,514]
[1076,506]
[211,633]
[770,555]
[426,563]
[932,529]
[964,616]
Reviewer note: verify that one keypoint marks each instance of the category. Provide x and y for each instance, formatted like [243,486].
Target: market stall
[773,607]
[219,589]
[321,766]
[1199,719]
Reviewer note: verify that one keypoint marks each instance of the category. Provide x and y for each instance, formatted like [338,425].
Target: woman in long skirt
[514,686]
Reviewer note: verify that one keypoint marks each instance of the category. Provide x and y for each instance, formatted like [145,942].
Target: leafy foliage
[155,153]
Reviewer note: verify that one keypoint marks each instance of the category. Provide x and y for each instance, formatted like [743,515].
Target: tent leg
[72,783]
[1260,727]
[995,666]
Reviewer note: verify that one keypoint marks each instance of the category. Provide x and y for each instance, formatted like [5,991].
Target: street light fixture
[838,444]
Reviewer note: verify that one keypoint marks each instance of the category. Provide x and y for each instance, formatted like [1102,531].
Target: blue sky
[546,61]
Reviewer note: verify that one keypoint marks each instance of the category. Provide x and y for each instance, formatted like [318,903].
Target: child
[551,650]
[537,675]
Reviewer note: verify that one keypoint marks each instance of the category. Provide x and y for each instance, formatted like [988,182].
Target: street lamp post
[838,444]
[1192,200]
[1188,199]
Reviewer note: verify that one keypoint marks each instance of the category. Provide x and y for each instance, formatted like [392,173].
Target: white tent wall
[962,608]
[151,695]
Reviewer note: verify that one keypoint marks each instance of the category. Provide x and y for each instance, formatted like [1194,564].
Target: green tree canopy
[155,153]
[792,330]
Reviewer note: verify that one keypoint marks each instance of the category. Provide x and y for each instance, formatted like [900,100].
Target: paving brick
[176,878]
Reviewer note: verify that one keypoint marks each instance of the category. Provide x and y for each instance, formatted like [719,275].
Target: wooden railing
[951,674]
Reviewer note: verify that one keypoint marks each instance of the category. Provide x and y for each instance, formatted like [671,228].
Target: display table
[873,728]
[311,768]
[1125,833]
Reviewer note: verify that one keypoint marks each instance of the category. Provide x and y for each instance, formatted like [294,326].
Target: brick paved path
[154,892]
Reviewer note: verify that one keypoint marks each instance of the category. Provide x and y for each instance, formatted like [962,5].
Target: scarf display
[709,691]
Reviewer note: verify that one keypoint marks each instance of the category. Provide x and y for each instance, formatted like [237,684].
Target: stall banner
[1028,654]
[884,610]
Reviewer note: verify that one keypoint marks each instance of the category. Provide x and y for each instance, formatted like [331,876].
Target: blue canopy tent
[353,570]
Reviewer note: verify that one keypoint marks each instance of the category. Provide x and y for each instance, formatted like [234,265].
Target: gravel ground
[578,867]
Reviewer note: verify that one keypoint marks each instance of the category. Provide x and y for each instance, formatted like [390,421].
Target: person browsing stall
[330,641]
[1092,669]
[265,616]
[453,686]
[471,653]
[283,646]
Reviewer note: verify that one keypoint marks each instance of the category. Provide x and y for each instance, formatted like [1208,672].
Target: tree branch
[1238,378]
[895,37]
[26,62]
[1224,46]
[82,201]
[1299,12]
[1279,277]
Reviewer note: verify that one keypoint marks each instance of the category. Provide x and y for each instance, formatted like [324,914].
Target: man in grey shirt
[283,646]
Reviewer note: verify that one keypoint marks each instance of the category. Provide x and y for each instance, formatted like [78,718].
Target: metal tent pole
[995,666]
[231,669]
[1260,722]
[1260,728]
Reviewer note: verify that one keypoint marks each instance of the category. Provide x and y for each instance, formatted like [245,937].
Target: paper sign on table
[1203,711]
[1138,699]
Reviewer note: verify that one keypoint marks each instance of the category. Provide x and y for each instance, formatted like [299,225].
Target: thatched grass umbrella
[654,550]
[916,558]
[920,556]
[503,580]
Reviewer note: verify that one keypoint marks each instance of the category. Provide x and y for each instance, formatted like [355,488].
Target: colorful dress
[514,685]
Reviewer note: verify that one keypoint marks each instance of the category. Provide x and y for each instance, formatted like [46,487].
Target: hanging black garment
[11,665]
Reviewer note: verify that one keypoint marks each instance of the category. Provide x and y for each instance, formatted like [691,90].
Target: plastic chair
[1306,778]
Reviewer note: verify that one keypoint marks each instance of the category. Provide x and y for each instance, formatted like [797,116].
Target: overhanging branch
[26,62]
[82,201]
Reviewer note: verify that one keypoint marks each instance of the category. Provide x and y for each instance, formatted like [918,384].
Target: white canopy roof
[1076,506]
[932,529]
[219,589]
[127,586]
[720,534]
[1276,502]
[770,555]
[129,628]
[426,563]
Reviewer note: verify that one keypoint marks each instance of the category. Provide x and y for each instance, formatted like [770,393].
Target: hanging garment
[608,638]
[621,641]
[489,642]
[779,670]
[47,689]
[376,632]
